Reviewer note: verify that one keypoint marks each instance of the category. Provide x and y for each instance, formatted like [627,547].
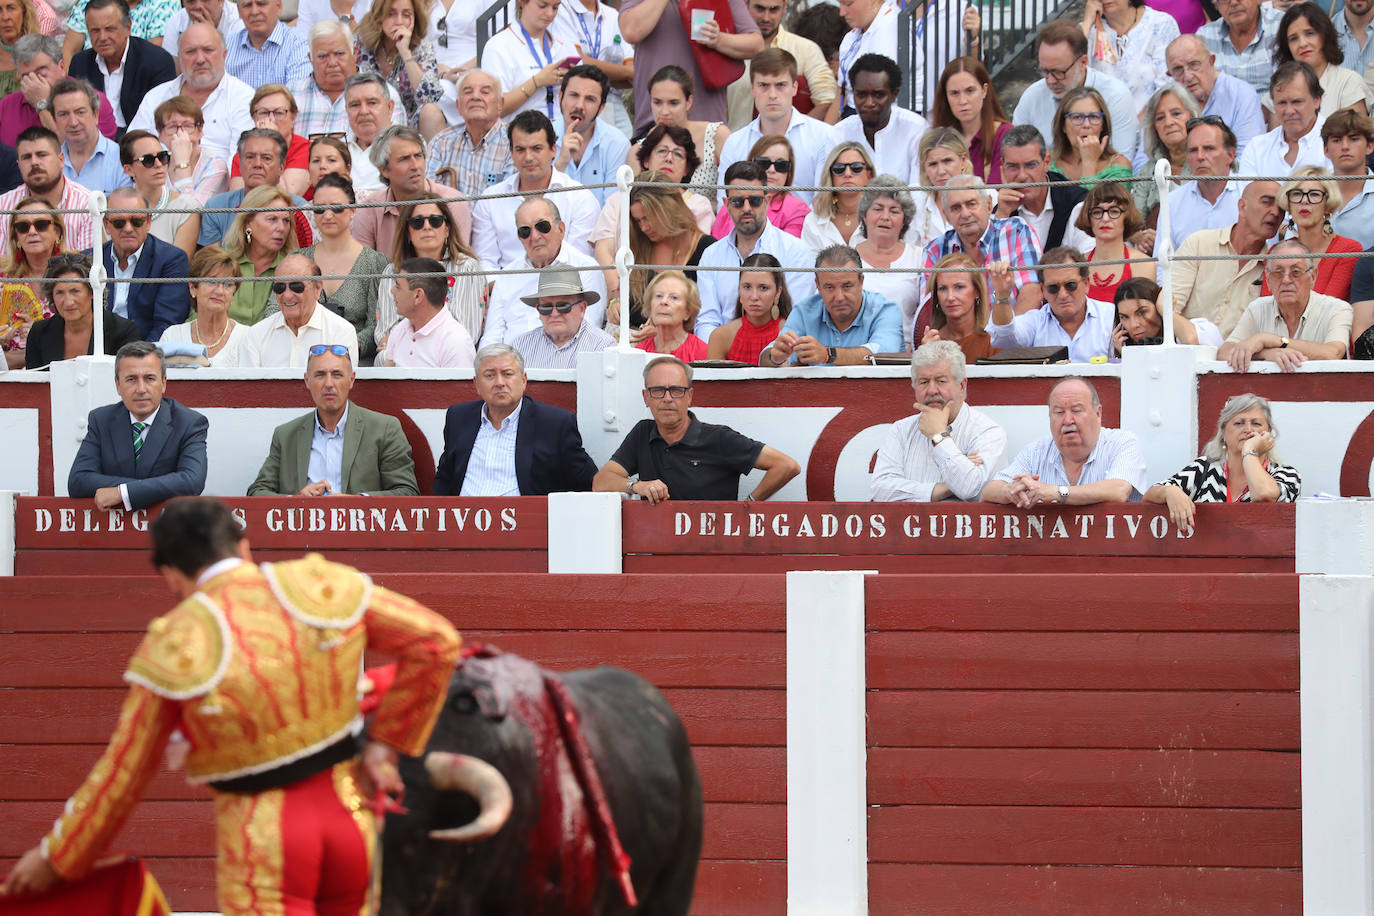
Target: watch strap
[831,354]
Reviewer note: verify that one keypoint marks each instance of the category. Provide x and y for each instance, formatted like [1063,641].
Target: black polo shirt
[706,463]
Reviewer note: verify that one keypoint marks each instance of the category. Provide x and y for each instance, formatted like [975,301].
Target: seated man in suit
[339,447]
[507,444]
[117,63]
[146,448]
[133,253]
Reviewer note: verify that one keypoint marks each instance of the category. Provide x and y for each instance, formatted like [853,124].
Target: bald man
[1229,98]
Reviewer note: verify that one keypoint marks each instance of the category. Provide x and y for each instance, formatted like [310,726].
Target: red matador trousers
[303,850]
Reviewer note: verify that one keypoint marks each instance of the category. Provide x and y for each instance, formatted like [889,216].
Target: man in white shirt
[1297,141]
[1233,100]
[542,233]
[1052,212]
[223,98]
[1079,463]
[947,450]
[284,338]
[1062,50]
[1348,138]
[1068,317]
[370,109]
[891,134]
[813,69]
[1203,204]
[773,82]
[532,147]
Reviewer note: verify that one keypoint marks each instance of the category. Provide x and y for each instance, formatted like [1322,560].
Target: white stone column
[1336,624]
[584,533]
[77,387]
[8,507]
[609,401]
[1159,404]
[827,790]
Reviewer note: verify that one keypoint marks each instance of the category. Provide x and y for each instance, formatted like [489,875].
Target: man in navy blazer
[480,458]
[146,448]
[133,251]
[139,64]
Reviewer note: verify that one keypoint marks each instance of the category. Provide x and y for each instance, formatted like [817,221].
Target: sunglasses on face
[562,307]
[23,226]
[135,221]
[838,168]
[296,286]
[781,166]
[147,159]
[1053,288]
[336,209]
[543,227]
[753,200]
[435,220]
[336,349]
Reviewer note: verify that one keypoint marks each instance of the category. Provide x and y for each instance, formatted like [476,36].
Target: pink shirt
[786,211]
[442,343]
[17,116]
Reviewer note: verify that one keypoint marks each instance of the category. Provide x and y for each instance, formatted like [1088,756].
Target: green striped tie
[138,438]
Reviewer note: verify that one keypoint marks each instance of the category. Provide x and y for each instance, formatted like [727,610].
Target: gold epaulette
[319,593]
[185,653]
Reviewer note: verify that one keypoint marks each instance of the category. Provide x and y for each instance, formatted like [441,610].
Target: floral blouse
[429,90]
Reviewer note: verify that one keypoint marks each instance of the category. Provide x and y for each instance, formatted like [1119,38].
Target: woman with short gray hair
[1238,464]
[885,214]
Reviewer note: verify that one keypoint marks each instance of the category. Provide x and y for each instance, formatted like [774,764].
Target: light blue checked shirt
[284,58]
[1116,456]
[102,172]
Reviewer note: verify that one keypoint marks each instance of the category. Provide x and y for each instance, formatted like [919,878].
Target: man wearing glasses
[676,456]
[338,447]
[1062,50]
[753,233]
[1243,39]
[1293,325]
[287,337]
[1068,318]
[563,333]
[1203,204]
[131,254]
[1232,99]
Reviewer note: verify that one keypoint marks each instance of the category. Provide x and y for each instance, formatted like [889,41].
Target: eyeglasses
[1310,196]
[1113,212]
[435,220]
[276,114]
[135,221]
[1054,288]
[1293,273]
[856,168]
[672,152]
[219,281]
[753,200]
[543,227]
[1084,117]
[562,308]
[21,227]
[296,286]
[147,159]
[659,392]
[336,209]
[442,28]
[336,349]
[1213,120]
[1050,73]
[781,166]
[1193,66]
[336,134]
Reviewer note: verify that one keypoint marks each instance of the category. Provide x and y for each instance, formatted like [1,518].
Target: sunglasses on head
[435,220]
[296,286]
[336,349]
[543,227]
[838,168]
[753,200]
[23,225]
[147,159]
[562,307]
[1053,288]
[783,166]
[136,221]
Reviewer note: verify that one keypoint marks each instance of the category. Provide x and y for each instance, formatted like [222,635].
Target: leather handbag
[717,70]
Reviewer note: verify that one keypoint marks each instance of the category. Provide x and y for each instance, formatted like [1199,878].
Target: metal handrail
[492,20]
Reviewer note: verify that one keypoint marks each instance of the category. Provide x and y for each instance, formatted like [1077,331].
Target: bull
[546,794]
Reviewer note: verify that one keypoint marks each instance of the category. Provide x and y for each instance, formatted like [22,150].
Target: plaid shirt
[1009,240]
[78,225]
[478,165]
[1254,63]
[284,58]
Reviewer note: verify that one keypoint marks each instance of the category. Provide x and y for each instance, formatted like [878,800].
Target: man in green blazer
[340,447]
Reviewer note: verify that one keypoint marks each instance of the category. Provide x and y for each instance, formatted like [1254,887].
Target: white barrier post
[76,387]
[8,508]
[584,533]
[609,401]
[827,789]
[623,256]
[1335,547]
[98,276]
[1159,404]
[1164,247]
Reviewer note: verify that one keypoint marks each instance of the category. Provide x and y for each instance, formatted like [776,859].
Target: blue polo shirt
[877,327]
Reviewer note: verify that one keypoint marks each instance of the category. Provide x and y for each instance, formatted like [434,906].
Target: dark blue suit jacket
[549,457]
[154,307]
[145,66]
[172,462]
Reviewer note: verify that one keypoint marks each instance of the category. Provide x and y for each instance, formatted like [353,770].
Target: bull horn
[461,773]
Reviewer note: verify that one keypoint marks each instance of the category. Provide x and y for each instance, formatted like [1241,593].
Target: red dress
[1106,292]
[750,340]
[1333,274]
[691,349]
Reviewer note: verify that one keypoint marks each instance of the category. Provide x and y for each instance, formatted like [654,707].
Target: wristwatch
[630,487]
[939,437]
[41,105]
[1063,495]
[830,355]
[1284,342]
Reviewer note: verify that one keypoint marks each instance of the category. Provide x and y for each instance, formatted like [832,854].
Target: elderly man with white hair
[477,148]
[320,96]
[947,449]
[967,205]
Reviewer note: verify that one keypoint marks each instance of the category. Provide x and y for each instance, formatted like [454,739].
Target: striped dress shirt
[491,467]
[284,57]
[78,225]
[541,352]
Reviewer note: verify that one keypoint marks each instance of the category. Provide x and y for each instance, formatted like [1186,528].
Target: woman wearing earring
[258,241]
[834,216]
[1309,197]
[36,236]
[959,307]
[760,312]
[427,230]
[210,297]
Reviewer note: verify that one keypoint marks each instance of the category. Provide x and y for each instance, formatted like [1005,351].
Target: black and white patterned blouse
[1204,481]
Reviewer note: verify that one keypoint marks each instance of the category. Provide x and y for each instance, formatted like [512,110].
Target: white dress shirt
[491,466]
[719,289]
[124,487]
[493,219]
[119,300]
[508,317]
[894,148]
[1040,223]
[271,343]
[908,466]
[1040,328]
[226,114]
[811,141]
[1263,158]
[1116,456]
[114,82]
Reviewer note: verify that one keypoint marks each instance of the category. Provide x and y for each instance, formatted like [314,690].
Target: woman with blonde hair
[672,306]
[391,41]
[1309,197]
[941,155]
[959,307]
[258,241]
[773,153]
[37,235]
[834,216]
[1083,138]
[216,280]
[662,231]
